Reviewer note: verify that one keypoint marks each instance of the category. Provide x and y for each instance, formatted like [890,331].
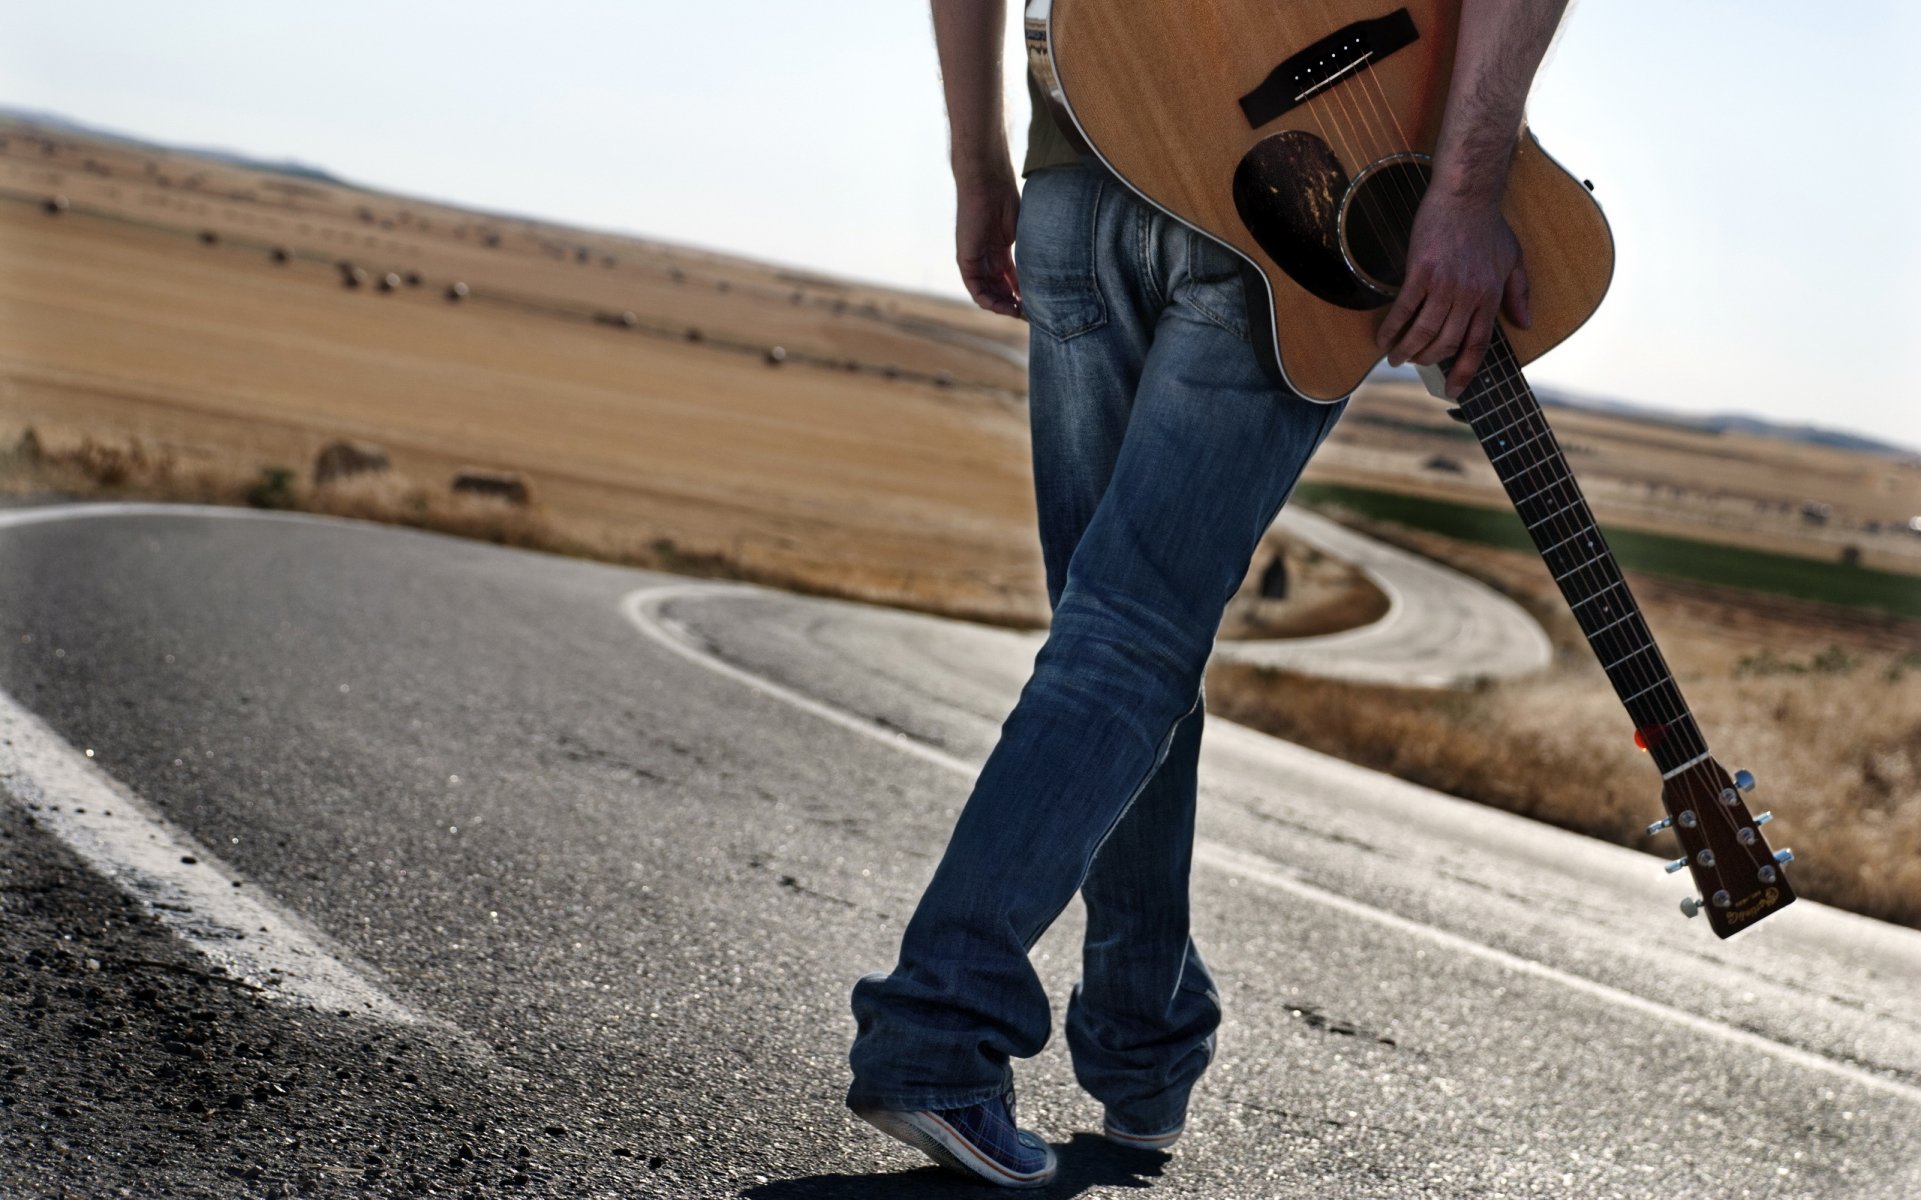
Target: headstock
[1740,879]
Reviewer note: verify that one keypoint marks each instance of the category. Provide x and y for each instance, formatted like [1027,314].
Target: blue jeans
[1162,453]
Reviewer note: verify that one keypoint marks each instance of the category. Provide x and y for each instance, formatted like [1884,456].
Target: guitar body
[1224,115]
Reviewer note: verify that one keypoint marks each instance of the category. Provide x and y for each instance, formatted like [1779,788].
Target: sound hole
[1376,216]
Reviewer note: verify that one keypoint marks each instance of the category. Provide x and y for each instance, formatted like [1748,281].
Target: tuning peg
[1722,899]
[1659,825]
[1784,856]
[1763,818]
[1691,906]
[1676,865]
[1744,780]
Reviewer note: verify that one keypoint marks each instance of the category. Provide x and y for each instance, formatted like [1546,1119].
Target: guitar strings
[1504,381]
[1365,160]
[1508,395]
[1354,153]
[1698,791]
[1510,392]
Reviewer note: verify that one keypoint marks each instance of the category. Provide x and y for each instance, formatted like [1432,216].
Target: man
[1162,453]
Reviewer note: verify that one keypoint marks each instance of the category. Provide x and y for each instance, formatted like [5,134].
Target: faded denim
[1161,454]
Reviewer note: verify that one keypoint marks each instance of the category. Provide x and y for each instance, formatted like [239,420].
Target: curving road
[606,848]
[1441,629]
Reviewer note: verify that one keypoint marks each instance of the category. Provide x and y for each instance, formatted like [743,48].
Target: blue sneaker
[980,1141]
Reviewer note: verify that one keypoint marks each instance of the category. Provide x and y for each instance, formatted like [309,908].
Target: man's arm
[1464,265]
[967,34]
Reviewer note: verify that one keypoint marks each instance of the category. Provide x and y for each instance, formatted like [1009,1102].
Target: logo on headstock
[1763,904]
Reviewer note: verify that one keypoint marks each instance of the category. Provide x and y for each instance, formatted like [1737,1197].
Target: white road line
[173,877]
[641,609]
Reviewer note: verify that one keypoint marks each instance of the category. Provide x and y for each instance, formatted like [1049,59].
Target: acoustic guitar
[1299,135]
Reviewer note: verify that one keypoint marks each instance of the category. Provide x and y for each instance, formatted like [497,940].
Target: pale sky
[1755,157]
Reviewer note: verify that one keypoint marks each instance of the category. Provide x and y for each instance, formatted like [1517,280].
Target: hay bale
[54,206]
[209,238]
[776,355]
[280,255]
[456,292]
[390,282]
[630,320]
[510,486]
[353,277]
[411,279]
[342,459]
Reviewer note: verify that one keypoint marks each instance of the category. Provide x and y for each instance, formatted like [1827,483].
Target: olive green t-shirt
[1047,146]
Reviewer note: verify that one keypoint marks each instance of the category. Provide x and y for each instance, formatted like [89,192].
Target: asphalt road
[611,847]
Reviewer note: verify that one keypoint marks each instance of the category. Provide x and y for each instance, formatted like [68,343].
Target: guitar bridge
[1328,61]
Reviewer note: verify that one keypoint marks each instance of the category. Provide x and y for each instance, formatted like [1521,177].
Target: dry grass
[1833,731]
[136,470]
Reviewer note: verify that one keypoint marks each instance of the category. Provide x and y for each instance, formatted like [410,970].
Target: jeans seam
[1146,220]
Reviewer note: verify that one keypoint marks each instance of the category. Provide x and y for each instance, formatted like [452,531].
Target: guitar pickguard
[1288,190]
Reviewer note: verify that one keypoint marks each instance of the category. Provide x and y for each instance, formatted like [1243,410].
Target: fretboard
[1514,432]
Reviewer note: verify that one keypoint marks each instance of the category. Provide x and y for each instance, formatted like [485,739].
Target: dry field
[156,348]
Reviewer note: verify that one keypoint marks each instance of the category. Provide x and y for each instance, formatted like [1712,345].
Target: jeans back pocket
[1215,284]
[1055,250]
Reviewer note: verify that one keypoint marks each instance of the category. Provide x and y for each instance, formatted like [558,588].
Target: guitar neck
[1512,429]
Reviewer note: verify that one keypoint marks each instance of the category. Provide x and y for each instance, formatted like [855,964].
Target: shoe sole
[938,1140]
[1135,1141]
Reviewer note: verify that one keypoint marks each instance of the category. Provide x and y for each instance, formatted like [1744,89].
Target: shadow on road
[1087,1161]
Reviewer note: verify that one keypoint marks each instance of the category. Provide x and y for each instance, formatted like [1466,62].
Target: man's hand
[1463,266]
[984,217]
